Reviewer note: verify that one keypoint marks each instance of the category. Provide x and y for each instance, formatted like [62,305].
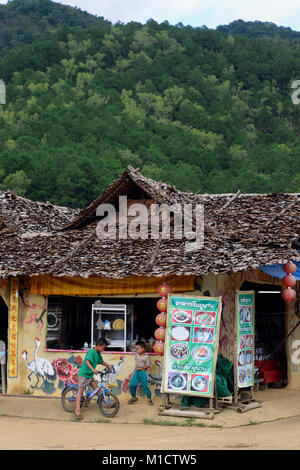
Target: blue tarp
[276,270]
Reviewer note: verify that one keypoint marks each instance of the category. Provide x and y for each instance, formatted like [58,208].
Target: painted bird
[155,379]
[43,365]
[32,367]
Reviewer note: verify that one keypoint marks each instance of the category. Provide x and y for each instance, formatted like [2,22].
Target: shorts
[84,382]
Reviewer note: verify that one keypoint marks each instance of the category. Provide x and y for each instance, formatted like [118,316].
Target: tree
[17,182]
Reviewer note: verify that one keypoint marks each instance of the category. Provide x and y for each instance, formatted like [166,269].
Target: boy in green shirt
[87,371]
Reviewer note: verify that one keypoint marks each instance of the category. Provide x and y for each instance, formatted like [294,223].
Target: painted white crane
[43,365]
[32,367]
[155,379]
[110,377]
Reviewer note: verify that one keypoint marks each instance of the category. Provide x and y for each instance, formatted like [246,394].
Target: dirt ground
[41,423]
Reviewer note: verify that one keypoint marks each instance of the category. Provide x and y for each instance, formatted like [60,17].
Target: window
[70,321]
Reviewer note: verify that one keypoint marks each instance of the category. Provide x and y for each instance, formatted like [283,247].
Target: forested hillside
[205,110]
[23,21]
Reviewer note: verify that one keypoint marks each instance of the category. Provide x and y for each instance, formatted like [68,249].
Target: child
[142,363]
[87,370]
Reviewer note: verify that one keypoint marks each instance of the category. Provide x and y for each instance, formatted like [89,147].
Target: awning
[276,270]
[94,285]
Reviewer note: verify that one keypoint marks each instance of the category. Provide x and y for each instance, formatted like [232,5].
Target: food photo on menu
[249,357]
[180,333]
[202,353]
[241,358]
[205,318]
[203,335]
[182,316]
[242,375]
[249,341]
[246,313]
[200,383]
[179,351]
[177,381]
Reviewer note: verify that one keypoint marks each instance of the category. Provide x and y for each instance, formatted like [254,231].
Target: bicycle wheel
[68,399]
[109,404]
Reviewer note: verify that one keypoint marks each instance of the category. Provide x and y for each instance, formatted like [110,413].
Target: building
[54,268]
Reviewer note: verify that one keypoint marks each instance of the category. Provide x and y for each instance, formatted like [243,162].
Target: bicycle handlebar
[105,371]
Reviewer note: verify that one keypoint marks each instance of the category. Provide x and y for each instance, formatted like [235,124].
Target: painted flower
[125,384]
[78,360]
[66,372]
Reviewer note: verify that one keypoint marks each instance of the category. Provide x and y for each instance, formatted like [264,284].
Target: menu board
[245,339]
[191,345]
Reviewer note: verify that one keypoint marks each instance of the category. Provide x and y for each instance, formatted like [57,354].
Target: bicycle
[107,401]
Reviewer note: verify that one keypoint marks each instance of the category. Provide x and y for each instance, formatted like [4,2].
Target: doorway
[4,339]
[270,346]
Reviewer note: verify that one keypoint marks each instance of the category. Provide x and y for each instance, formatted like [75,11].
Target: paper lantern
[161,319]
[289,268]
[162,305]
[159,347]
[164,289]
[160,333]
[289,280]
[289,295]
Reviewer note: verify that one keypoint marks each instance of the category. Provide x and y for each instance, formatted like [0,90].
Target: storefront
[54,331]
[61,287]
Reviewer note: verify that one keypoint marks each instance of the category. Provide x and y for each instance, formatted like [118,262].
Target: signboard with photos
[191,345]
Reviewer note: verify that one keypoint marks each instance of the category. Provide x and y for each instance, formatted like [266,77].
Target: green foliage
[17,182]
[204,110]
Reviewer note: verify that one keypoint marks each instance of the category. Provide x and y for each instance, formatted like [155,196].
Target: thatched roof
[21,215]
[241,231]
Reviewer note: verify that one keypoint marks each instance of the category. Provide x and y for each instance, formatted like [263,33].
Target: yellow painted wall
[31,327]
[62,366]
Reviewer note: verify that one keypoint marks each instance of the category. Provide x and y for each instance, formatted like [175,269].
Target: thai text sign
[245,338]
[191,345]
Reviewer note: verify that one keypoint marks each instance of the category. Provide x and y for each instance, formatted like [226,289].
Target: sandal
[78,417]
[132,400]
[150,402]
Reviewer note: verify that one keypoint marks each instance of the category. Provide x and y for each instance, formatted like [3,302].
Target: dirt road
[33,434]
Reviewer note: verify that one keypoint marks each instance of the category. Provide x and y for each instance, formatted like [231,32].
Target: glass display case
[114,322]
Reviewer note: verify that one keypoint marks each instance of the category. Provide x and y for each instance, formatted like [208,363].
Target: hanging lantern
[289,268]
[159,347]
[162,304]
[160,333]
[161,319]
[289,295]
[289,280]
[164,289]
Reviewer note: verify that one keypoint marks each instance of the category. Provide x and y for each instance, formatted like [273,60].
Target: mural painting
[42,368]
[52,376]
[34,317]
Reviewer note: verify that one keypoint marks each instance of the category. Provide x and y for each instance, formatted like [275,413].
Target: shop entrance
[270,347]
[3,339]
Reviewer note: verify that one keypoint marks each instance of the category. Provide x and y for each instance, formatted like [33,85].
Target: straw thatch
[241,231]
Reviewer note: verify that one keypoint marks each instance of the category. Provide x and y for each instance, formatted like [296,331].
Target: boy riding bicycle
[87,371]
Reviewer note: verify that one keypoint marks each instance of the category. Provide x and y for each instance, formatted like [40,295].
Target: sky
[193,12]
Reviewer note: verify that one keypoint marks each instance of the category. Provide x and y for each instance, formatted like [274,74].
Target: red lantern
[289,280]
[160,333]
[161,319]
[164,289]
[159,348]
[289,268]
[289,295]
[162,305]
